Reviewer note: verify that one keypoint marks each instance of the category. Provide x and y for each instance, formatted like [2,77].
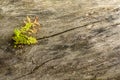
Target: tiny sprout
[23,36]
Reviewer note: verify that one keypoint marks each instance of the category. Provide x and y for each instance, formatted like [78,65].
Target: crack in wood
[37,67]
[68,30]
[71,30]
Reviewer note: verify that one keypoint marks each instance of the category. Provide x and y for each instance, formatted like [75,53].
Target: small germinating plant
[24,35]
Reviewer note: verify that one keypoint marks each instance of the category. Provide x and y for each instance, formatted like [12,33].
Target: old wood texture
[74,43]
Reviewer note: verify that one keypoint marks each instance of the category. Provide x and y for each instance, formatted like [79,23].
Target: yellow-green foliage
[22,36]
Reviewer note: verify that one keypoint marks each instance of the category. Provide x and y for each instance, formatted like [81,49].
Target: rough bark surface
[78,40]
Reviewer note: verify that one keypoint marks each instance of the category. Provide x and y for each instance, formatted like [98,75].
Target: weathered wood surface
[75,43]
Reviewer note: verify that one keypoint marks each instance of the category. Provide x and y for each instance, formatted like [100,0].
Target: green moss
[22,36]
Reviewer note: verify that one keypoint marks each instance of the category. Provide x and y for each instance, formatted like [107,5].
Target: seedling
[23,36]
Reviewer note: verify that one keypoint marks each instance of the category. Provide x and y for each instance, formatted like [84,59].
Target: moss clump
[24,36]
